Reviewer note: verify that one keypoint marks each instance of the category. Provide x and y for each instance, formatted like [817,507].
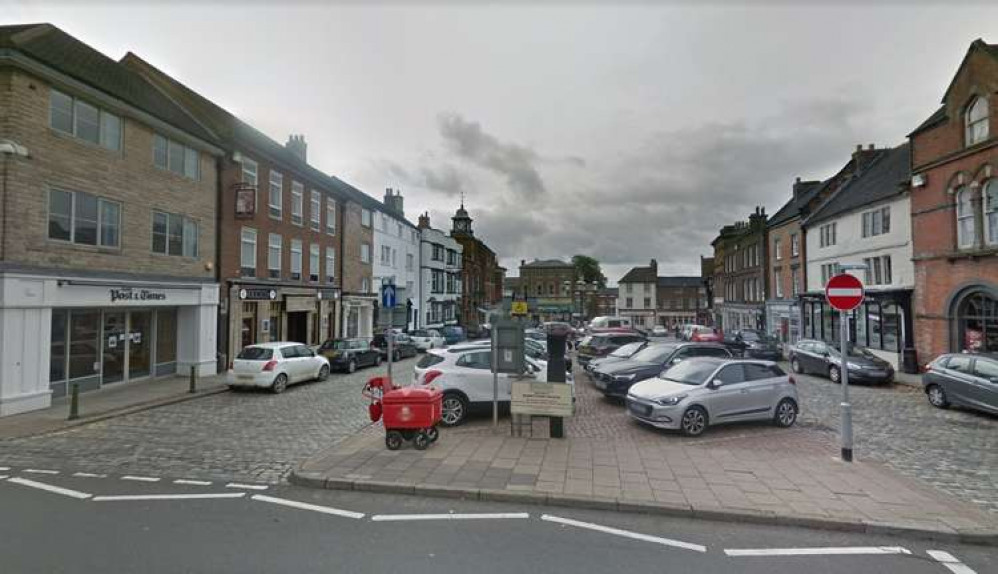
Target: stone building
[480,294]
[107,224]
[740,274]
[954,208]
[439,276]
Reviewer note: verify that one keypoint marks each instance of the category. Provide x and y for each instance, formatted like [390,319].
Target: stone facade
[956,275]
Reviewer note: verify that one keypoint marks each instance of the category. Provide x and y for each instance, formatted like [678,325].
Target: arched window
[991,212]
[965,228]
[976,120]
[977,322]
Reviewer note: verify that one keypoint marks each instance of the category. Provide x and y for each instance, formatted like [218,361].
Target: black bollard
[74,402]
[194,380]
[556,373]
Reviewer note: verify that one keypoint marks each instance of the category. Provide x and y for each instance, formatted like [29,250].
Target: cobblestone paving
[955,450]
[253,435]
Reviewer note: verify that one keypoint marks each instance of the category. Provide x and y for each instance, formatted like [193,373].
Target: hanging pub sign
[245,200]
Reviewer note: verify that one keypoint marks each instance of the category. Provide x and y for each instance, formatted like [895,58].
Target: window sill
[85,247]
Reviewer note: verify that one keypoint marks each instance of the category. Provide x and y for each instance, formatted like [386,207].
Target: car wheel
[795,365]
[937,396]
[396,356]
[352,366]
[393,440]
[377,360]
[834,374]
[786,413]
[454,411]
[280,383]
[694,421]
[323,373]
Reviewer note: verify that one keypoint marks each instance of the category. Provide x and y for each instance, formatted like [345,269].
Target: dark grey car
[811,356]
[963,380]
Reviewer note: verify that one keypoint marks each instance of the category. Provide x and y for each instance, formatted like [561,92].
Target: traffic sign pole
[845,293]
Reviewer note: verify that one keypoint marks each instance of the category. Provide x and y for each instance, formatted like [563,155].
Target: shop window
[57,363]
[275,321]
[977,322]
[876,326]
[166,336]
[84,344]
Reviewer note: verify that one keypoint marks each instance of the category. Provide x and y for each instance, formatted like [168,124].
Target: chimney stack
[296,145]
[654,266]
[393,201]
[424,221]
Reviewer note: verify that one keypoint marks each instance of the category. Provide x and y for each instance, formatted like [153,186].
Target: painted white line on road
[192,482]
[247,486]
[951,562]
[307,506]
[625,533]
[40,471]
[140,478]
[130,497]
[827,551]
[50,488]
[4,476]
[4,468]
[89,475]
[401,517]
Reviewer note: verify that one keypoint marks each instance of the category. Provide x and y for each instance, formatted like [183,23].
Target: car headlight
[855,367]
[624,378]
[670,401]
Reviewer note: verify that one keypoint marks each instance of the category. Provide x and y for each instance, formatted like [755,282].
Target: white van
[610,323]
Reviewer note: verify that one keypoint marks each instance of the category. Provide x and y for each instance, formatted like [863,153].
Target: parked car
[426,339]
[687,331]
[453,334]
[464,374]
[275,366]
[609,323]
[402,346]
[818,357]
[623,352]
[701,334]
[707,391]
[963,380]
[536,334]
[350,354]
[754,344]
[659,331]
[614,379]
[602,344]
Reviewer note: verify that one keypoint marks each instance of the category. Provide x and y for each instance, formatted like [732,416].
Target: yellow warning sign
[519,308]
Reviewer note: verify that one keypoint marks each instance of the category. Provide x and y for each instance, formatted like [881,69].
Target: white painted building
[396,257]
[439,276]
[637,298]
[867,222]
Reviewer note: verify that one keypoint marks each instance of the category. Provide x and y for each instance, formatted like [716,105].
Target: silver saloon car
[963,380]
[707,391]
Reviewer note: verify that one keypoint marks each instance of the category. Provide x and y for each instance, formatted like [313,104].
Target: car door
[309,366]
[473,375]
[369,354]
[764,384]
[985,385]
[729,399]
[959,380]
[291,364]
[820,358]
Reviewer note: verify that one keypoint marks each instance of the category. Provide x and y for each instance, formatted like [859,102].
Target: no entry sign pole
[844,292]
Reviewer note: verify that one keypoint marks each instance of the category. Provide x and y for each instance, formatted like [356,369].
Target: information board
[545,399]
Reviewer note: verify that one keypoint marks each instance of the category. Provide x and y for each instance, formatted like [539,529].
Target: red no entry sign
[844,292]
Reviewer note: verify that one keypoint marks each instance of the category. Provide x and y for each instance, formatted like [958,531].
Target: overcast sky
[626,133]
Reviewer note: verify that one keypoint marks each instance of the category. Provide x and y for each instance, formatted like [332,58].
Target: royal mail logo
[405,413]
[130,294]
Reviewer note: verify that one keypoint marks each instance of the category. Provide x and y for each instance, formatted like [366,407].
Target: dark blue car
[453,335]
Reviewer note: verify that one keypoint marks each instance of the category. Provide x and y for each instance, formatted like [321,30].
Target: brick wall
[354,234]
[127,176]
[781,269]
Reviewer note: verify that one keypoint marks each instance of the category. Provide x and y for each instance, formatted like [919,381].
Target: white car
[426,339]
[659,331]
[464,374]
[276,365]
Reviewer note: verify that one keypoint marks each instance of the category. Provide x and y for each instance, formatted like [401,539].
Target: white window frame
[297,203]
[365,252]
[976,121]
[184,221]
[795,281]
[330,216]
[102,140]
[72,219]
[410,259]
[964,199]
[365,217]
[185,156]
[777,284]
[296,259]
[315,213]
[778,249]
[274,242]
[794,245]
[245,234]
[330,264]
[314,261]
[989,202]
[275,209]
[250,172]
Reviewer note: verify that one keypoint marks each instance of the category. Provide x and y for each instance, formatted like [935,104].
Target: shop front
[882,324]
[738,316]
[783,320]
[358,316]
[974,320]
[262,313]
[96,332]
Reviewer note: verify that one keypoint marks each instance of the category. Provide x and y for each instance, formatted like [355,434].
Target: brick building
[605,302]
[108,211]
[282,261]
[740,270]
[549,286]
[954,208]
[680,300]
[480,294]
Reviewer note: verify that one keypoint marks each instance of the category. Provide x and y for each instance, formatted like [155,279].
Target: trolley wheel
[421,441]
[433,434]
[393,440]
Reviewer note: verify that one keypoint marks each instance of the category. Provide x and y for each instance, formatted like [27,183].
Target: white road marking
[4,468]
[246,486]
[140,478]
[40,471]
[50,488]
[401,517]
[4,476]
[192,482]
[89,475]
[826,551]
[951,562]
[129,497]
[307,506]
[625,533]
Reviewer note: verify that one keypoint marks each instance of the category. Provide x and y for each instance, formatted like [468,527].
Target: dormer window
[976,120]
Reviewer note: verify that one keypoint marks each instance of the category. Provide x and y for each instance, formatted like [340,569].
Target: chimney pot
[797,180]
[859,147]
[870,147]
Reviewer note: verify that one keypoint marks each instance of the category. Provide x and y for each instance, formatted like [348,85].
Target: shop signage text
[257,294]
[129,294]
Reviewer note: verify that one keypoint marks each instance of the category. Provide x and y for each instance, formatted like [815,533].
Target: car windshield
[690,372]
[751,336]
[338,345]
[654,353]
[255,354]
[627,350]
[856,351]
[420,334]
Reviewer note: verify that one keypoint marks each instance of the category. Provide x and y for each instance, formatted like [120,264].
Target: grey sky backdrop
[626,133]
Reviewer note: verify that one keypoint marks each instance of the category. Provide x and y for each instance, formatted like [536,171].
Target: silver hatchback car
[707,391]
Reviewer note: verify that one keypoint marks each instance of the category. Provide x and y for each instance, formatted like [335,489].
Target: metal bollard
[74,402]
[194,379]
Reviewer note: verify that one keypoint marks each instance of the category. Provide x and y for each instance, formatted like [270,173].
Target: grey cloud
[514,162]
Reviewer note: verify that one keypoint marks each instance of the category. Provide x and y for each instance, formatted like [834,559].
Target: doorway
[298,327]
[113,359]
[139,344]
